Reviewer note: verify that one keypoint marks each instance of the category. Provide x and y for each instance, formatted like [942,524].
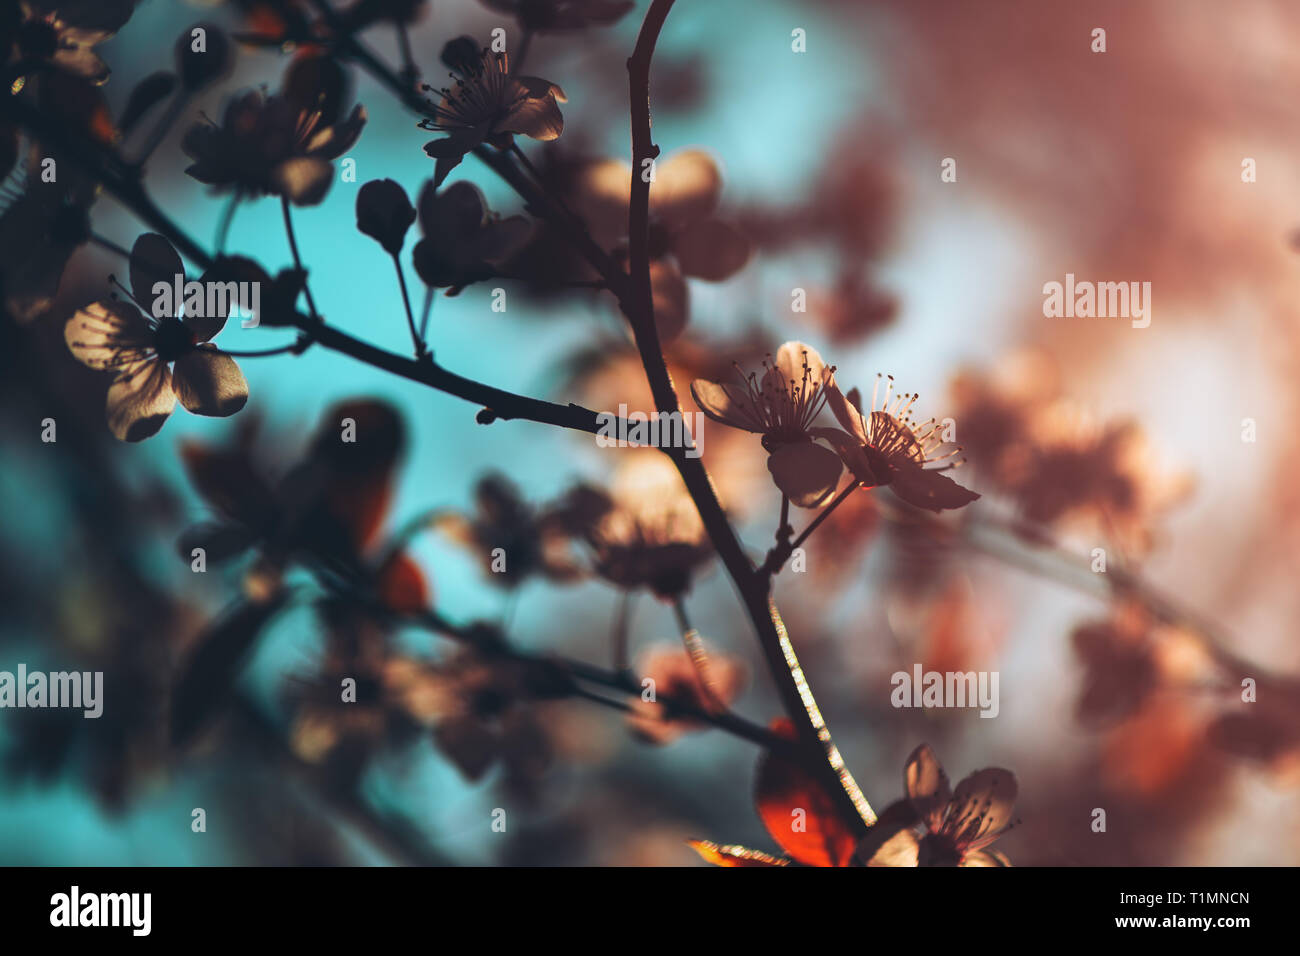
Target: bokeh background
[1117,166]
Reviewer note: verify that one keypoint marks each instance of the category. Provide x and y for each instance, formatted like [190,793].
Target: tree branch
[824,757]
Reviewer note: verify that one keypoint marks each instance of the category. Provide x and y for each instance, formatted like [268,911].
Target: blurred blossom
[513,539]
[676,677]
[281,144]
[62,34]
[687,238]
[644,532]
[1056,463]
[463,241]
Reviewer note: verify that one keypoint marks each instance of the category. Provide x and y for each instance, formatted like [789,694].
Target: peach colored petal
[805,472]
[140,401]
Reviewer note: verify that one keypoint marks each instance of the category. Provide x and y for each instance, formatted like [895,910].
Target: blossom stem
[164,124]
[622,627]
[297,347]
[409,69]
[624,681]
[698,655]
[428,311]
[417,339]
[532,171]
[823,515]
[227,217]
[297,259]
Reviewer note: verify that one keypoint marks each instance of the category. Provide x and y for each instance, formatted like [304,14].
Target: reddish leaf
[816,836]
[402,586]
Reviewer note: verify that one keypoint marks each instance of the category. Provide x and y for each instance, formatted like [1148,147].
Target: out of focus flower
[43,223]
[887,447]
[677,677]
[479,711]
[1055,462]
[646,534]
[488,104]
[1104,476]
[513,539]
[956,827]
[546,16]
[782,406]
[156,361]
[281,144]
[463,241]
[995,410]
[40,228]
[686,236]
[328,512]
[1120,668]
[62,34]
[1266,729]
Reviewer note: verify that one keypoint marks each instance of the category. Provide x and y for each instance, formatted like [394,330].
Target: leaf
[816,836]
[402,586]
[208,676]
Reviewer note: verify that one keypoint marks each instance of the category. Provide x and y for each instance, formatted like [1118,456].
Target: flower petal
[671,299]
[456,145]
[805,472]
[846,412]
[926,786]
[984,858]
[980,808]
[208,382]
[104,334]
[140,401]
[153,260]
[304,180]
[793,356]
[711,250]
[901,849]
[603,189]
[929,489]
[537,117]
[333,141]
[498,241]
[891,841]
[851,452]
[728,404]
[687,187]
